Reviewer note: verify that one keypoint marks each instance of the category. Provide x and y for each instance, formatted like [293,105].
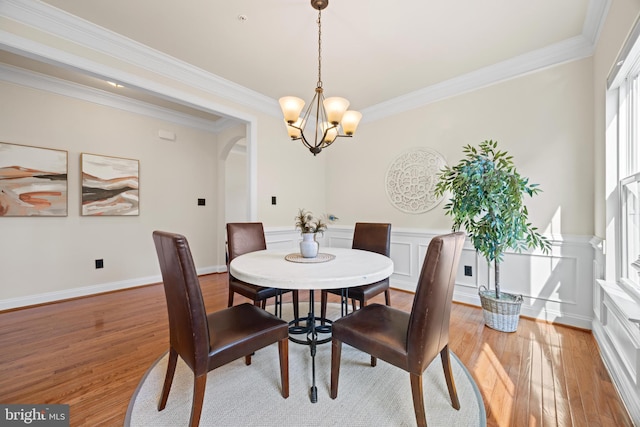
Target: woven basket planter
[500,314]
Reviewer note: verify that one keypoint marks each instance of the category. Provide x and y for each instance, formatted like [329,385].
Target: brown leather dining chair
[409,341]
[244,237]
[208,341]
[373,237]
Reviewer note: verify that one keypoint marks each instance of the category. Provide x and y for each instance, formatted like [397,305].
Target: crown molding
[594,21]
[39,81]
[46,18]
[49,19]
[568,50]
[572,49]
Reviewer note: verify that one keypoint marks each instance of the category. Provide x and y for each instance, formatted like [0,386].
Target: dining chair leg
[277,304]
[230,302]
[418,400]
[296,307]
[168,379]
[283,351]
[323,306]
[199,385]
[336,350]
[448,375]
[387,297]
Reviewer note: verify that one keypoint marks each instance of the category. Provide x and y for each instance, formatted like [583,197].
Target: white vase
[309,247]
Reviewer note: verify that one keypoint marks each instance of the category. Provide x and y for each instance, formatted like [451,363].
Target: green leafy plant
[306,223]
[488,202]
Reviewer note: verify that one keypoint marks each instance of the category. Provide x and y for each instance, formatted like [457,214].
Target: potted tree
[488,202]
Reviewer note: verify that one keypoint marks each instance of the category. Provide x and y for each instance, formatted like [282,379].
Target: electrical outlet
[273,200]
[99,263]
[201,202]
[468,271]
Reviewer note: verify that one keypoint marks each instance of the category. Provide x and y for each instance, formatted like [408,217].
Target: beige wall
[40,255]
[543,119]
[290,172]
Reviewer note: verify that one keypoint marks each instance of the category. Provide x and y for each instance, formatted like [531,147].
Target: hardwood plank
[91,353]
[562,406]
[502,398]
[522,404]
[549,409]
[578,416]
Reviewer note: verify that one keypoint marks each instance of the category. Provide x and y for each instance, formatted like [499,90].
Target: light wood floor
[91,353]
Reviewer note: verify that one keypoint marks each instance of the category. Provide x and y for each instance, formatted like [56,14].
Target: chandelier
[327,119]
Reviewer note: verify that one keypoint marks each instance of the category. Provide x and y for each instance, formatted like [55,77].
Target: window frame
[628,274]
[623,84]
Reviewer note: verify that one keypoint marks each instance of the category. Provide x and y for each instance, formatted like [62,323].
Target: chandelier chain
[319,48]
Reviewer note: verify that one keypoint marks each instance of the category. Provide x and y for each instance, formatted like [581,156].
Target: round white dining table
[350,267]
[333,268]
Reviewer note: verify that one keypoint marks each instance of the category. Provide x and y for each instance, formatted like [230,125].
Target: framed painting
[109,185]
[33,181]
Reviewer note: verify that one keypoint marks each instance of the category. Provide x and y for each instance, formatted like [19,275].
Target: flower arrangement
[306,223]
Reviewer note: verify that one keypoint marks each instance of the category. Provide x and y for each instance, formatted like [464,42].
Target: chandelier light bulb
[350,121]
[335,108]
[330,132]
[293,129]
[291,108]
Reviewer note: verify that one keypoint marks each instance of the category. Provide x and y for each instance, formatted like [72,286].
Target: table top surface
[350,267]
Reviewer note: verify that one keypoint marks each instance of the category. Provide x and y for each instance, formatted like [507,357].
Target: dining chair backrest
[428,330]
[373,237]
[244,237]
[188,328]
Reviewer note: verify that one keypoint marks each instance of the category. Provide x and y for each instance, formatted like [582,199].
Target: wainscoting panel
[403,264]
[556,286]
[617,332]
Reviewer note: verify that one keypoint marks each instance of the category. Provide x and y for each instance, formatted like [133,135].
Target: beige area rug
[240,395]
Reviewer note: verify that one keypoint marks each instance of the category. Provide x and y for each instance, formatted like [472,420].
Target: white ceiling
[372,51]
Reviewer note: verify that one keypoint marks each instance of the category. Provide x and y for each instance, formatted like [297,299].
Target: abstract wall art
[109,185]
[33,181]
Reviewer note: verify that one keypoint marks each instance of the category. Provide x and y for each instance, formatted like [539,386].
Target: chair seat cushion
[253,292]
[240,330]
[364,292]
[378,330]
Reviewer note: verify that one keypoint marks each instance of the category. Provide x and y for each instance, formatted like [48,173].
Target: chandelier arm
[305,142]
[326,144]
[323,141]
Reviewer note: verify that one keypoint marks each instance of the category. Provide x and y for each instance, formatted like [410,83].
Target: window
[630,230]
[623,164]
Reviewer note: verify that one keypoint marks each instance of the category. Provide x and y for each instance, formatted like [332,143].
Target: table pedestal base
[307,326]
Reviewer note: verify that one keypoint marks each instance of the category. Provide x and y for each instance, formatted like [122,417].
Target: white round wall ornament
[411,180]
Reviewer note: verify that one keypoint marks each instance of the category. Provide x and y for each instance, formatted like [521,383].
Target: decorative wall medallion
[411,180]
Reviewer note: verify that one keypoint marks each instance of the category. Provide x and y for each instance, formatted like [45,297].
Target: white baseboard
[627,390]
[48,297]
